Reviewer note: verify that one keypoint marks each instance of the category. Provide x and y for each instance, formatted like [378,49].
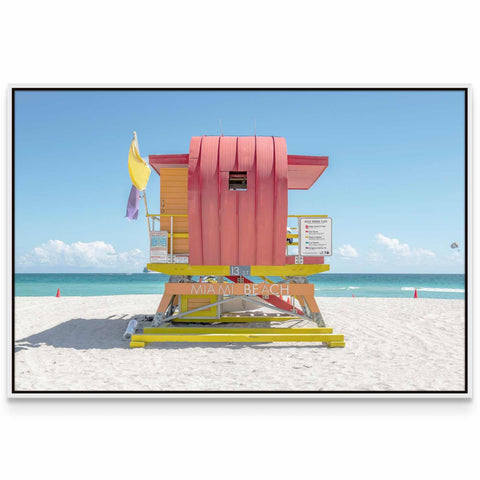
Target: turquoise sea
[448,286]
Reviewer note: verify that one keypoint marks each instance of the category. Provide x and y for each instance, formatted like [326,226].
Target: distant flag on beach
[133,201]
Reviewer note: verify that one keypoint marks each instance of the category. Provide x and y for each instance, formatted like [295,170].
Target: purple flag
[132,206]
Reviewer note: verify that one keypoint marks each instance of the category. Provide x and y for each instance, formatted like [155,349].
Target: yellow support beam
[239,337]
[178,235]
[224,270]
[222,330]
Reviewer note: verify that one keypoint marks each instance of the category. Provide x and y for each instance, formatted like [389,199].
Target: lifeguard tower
[222,236]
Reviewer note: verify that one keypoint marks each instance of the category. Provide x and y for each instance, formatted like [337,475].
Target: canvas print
[239,240]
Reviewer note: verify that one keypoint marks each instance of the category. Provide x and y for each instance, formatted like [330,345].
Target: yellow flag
[137,167]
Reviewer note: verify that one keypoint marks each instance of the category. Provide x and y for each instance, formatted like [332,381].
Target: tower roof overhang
[303,170]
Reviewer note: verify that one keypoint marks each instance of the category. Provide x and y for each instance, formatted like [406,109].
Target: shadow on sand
[80,334]
[107,333]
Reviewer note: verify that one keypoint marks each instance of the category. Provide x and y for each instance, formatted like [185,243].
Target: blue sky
[394,186]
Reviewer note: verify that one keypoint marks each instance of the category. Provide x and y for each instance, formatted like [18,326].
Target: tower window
[237,181]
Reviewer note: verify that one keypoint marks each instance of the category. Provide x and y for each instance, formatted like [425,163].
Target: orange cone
[58,293]
[415,295]
[288,301]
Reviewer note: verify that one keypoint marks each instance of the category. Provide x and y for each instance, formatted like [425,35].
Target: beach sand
[75,343]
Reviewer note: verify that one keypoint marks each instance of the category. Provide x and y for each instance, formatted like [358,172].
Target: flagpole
[146,211]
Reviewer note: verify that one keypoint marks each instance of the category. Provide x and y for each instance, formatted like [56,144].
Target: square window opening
[237,181]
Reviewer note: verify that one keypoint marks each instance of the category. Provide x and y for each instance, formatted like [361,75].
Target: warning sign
[315,236]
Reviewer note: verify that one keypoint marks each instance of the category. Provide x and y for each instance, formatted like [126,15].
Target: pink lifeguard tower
[224,218]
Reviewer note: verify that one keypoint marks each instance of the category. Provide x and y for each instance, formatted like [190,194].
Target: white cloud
[402,249]
[56,253]
[347,251]
[394,245]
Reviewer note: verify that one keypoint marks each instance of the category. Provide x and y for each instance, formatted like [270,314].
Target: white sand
[75,343]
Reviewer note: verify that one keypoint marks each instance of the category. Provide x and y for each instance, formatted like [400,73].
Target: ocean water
[448,286]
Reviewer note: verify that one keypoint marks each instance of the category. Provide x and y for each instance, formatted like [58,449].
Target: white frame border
[345,86]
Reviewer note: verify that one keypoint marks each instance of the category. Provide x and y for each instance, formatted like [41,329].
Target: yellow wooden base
[230,337]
